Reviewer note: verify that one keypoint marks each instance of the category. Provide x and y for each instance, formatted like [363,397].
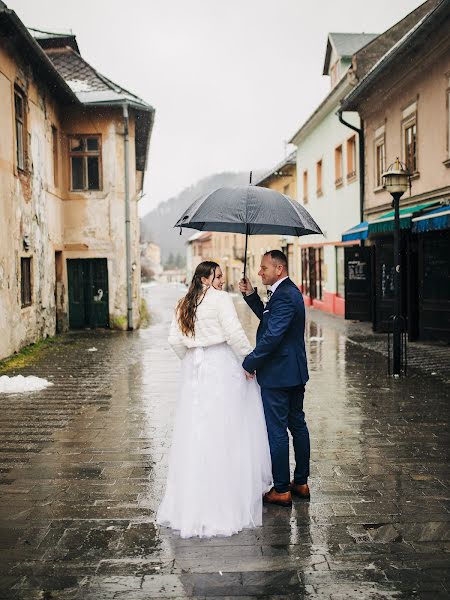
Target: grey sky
[230,79]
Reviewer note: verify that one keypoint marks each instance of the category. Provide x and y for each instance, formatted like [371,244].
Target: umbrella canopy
[250,210]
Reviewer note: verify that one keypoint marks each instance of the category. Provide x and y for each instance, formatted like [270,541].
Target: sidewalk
[424,358]
[83,466]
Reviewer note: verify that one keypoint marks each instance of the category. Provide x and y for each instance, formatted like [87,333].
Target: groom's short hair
[278,256]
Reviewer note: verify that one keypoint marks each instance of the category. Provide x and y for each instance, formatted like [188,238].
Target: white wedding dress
[219,465]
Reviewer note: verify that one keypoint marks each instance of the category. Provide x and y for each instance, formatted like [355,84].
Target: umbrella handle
[245,253]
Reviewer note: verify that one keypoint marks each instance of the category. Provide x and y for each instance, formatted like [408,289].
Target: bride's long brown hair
[187,306]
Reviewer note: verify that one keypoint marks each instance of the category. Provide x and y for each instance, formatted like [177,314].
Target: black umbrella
[248,209]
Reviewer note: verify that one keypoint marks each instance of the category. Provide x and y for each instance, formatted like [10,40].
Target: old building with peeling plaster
[66,136]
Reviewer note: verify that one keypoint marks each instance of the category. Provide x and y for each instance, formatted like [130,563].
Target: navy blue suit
[279,360]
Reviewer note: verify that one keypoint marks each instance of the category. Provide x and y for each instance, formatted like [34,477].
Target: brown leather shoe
[301,490]
[274,497]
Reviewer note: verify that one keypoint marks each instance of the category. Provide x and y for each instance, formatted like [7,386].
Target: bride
[219,465]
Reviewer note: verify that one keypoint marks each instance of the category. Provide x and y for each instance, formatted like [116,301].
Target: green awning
[385,223]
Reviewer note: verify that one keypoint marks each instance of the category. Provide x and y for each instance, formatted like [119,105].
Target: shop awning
[357,232]
[434,220]
[385,223]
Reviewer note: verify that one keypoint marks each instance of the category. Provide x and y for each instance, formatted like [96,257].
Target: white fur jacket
[216,322]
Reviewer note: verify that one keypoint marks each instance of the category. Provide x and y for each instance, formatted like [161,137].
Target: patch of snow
[78,85]
[20,384]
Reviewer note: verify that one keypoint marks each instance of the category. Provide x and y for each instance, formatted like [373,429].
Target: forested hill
[157,225]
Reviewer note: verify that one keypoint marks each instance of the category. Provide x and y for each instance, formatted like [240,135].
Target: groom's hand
[245,286]
[248,375]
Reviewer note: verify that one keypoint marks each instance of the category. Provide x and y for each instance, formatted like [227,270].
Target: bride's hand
[249,376]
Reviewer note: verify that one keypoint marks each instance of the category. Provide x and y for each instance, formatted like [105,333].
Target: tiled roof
[436,15]
[53,39]
[12,29]
[90,86]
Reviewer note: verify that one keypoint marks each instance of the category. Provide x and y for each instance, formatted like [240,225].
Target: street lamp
[396,181]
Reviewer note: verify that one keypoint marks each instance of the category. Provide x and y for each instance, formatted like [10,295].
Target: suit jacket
[279,357]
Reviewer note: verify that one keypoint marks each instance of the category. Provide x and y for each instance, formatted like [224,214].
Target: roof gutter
[361,153]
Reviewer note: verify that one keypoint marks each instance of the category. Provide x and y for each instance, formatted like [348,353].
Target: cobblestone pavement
[429,358]
[83,464]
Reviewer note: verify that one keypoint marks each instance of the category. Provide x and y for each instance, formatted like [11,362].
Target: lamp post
[396,181]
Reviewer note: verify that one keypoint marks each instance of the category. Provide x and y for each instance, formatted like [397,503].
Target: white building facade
[328,181]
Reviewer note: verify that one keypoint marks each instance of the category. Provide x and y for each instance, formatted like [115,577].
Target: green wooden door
[88,292]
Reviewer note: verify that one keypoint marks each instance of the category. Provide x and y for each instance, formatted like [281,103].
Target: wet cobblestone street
[83,465]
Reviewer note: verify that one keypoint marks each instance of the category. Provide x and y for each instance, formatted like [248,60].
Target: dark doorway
[434,286]
[88,292]
[358,284]
[384,283]
[384,280]
[59,291]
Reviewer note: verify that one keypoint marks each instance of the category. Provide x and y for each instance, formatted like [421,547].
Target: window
[316,285]
[338,166]
[351,158]
[312,272]
[19,110]
[410,146]
[305,187]
[319,178]
[25,281]
[55,155]
[380,161]
[305,272]
[340,271]
[85,162]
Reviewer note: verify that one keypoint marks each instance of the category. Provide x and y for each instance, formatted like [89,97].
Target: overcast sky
[231,80]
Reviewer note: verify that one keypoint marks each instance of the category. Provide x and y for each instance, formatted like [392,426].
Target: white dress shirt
[274,286]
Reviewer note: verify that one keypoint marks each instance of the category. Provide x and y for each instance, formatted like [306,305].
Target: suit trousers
[283,409]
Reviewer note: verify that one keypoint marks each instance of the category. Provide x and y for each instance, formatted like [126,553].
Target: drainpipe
[127,219]
[362,173]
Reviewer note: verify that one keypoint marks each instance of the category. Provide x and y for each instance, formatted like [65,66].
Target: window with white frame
[19,115]
[409,137]
[380,161]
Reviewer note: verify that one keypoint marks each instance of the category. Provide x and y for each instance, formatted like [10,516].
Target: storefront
[322,277]
[425,265]
[432,231]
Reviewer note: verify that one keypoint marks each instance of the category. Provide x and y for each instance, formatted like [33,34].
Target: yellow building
[283,178]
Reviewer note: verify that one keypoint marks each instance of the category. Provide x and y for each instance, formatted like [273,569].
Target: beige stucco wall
[24,211]
[427,83]
[84,225]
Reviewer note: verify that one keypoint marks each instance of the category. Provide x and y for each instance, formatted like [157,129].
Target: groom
[279,360]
